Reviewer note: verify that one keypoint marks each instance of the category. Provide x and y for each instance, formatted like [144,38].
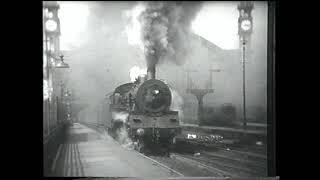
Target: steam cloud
[135,72]
[164,30]
[120,116]
[177,103]
[122,133]
[124,139]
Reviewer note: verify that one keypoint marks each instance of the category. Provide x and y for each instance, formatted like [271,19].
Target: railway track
[229,160]
[244,153]
[219,162]
[236,156]
[235,160]
[234,168]
[258,152]
[216,171]
[187,168]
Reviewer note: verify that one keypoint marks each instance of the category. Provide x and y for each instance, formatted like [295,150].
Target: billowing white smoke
[133,29]
[177,103]
[124,139]
[120,116]
[122,133]
[135,72]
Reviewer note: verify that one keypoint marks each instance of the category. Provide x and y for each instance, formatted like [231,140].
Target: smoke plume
[164,29]
[135,72]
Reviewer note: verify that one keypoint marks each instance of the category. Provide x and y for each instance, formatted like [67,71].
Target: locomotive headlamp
[156,91]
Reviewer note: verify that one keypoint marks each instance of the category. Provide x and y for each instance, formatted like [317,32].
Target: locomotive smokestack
[151,72]
[151,60]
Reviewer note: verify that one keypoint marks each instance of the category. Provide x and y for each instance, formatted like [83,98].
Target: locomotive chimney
[151,71]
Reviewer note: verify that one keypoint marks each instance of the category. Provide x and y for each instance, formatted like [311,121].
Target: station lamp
[61,63]
[58,62]
[244,32]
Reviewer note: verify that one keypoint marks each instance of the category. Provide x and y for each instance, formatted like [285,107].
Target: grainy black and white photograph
[155,89]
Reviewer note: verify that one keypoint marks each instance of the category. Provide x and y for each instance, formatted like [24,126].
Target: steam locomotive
[143,109]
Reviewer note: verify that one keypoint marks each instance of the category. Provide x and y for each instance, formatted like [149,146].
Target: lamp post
[51,31]
[51,27]
[244,32]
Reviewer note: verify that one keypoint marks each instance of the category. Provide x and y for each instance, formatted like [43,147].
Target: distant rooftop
[207,43]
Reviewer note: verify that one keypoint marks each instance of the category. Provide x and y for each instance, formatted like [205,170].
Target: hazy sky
[100,55]
[217,22]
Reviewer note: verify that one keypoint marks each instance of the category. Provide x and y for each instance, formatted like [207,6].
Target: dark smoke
[165,30]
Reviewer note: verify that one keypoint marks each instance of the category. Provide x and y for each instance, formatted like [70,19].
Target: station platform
[87,153]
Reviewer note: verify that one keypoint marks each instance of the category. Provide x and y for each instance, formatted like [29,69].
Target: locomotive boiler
[143,109]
